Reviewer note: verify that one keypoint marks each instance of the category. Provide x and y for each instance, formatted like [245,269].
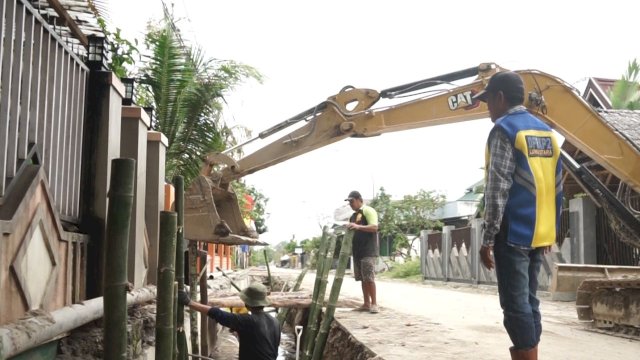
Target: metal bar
[25,96]
[49,118]
[14,97]
[43,98]
[79,141]
[56,173]
[34,86]
[5,101]
[423,84]
[63,169]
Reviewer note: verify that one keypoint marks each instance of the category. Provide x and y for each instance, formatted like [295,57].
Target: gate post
[446,250]
[424,234]
[474,248]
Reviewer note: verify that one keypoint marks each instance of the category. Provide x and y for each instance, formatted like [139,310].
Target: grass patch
[409,270]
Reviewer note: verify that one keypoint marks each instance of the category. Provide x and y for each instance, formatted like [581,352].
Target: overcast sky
[309,50]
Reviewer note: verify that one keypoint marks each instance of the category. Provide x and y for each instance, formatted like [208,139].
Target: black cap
[509,83]
[353,195]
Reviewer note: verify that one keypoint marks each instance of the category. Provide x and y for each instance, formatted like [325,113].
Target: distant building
[458,212]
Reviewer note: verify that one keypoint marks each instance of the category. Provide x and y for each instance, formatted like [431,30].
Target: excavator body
[210,203]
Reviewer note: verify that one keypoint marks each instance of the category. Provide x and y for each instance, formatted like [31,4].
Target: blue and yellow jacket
[532,211]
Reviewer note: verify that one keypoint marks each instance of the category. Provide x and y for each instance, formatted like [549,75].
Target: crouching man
[258,332]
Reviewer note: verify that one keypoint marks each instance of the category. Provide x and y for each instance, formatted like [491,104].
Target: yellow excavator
[212,213]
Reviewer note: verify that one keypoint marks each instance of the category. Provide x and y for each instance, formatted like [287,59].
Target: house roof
[626,123]
[596,92]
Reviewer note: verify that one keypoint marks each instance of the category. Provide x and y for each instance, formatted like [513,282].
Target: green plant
[398,218]
[124,53]
[625,93]
[406,270]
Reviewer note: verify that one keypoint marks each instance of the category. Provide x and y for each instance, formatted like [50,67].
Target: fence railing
[453,255]
[42,96]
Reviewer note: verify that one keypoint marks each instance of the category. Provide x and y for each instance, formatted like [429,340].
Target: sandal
[374,309]
[362,308]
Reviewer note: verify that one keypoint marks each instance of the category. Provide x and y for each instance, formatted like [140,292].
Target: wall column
[582,227]
[133,144]
[157,145]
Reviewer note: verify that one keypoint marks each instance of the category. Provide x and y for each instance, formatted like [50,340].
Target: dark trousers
[517,271]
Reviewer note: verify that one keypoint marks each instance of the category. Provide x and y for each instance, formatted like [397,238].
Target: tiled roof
[626,123]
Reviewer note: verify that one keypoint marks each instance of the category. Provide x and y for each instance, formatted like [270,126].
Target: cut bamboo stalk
[345,253]
[266,261]
[204,298]
[181,337]
[193,281]
[282,315]
[230,281]
[166,279]
[116,257]
[317,302]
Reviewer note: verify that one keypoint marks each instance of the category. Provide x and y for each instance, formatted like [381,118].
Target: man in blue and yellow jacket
[523,197]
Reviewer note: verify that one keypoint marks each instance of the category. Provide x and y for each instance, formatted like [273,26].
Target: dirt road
[452,321]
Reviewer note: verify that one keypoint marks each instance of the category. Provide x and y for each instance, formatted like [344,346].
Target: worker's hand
[546,250]
[353,226]
[486,257]
[183,298]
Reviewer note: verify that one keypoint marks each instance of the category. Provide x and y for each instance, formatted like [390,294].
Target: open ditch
[86,343]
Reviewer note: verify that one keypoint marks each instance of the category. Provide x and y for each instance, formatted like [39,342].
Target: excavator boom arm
[547,97]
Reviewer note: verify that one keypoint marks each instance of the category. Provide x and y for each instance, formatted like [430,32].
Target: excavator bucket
[212,214]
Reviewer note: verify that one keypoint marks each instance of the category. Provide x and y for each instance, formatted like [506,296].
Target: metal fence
[42,95]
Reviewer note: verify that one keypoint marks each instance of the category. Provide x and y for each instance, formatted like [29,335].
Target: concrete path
[454,321]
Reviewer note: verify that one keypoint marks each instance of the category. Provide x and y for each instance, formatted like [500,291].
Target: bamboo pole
[204,298]
[181,337]
[316,303]
[174,345]
[230,281]
[266,261]
[193,283]
[166,278]
[345,253]
[282,315]
[116,257]
[321,255]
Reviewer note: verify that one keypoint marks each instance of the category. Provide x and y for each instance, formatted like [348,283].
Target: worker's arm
[232,321]
[496,193]
[366,228]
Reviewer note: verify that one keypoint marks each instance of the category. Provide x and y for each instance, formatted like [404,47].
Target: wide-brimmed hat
[255,295]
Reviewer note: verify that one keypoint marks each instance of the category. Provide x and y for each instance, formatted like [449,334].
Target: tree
[257,256]
[416,212]
[402,220]
[187,89]
[625,93]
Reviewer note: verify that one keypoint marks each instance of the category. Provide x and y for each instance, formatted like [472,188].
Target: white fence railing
[453,255]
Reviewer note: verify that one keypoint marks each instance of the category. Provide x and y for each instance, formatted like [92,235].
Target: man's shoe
[374,309]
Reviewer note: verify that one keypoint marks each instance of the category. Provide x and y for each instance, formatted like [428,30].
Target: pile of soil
[86,342]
